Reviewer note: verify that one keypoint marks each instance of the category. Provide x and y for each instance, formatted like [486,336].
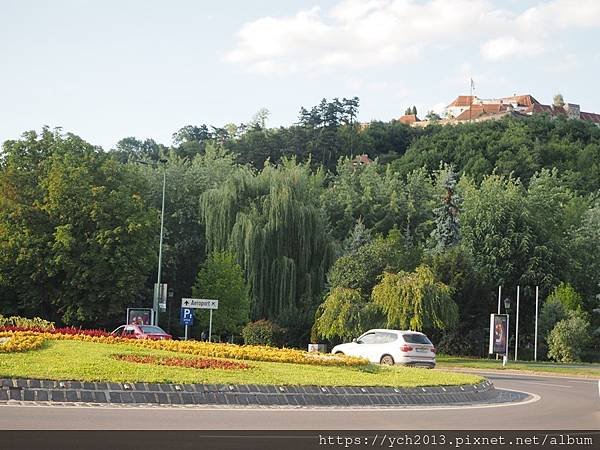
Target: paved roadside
[530,373]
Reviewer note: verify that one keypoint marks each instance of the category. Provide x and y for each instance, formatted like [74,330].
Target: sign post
[201,303]
[499,335]
[187,319]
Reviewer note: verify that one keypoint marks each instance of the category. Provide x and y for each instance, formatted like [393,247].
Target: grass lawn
[88,361]
[586,369]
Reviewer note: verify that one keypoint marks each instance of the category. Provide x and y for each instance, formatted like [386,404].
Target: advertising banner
[499,334]
[139,316]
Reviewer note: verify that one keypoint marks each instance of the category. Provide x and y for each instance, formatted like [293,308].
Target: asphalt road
[557,403]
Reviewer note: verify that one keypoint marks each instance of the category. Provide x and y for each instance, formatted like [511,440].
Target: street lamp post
[157,290]
[162,224]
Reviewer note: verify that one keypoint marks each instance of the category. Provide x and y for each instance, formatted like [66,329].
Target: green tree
[89,221]
[447,231]
[360,269]
[552,312]
[495,229]
[433,116]
[569,338]
[345,314]
[222,278]
[415,300]
[272,221]
[584,251]
[184,242]
[567,296]
[552,210]
[25,228]
[558,100]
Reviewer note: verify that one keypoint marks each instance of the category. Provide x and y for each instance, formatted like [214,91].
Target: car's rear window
[414,338]
[151,329]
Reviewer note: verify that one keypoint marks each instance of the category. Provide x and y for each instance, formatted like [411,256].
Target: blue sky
[110,69]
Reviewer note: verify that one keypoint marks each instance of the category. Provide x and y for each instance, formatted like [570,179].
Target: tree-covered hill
[424,234]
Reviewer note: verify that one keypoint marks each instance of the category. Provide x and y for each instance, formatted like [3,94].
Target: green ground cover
[88,361]
[579,369]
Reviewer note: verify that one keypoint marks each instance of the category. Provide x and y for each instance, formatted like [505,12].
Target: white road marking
[542,384]
[510,374]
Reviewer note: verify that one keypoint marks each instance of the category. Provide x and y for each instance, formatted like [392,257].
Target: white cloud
[356,34]
[561,14]
[509,46]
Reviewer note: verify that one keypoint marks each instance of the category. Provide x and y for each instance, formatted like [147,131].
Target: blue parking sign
[187,316]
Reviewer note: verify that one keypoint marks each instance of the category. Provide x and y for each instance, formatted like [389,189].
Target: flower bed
[193,363]
[24,323]
[213,350]
[20,342]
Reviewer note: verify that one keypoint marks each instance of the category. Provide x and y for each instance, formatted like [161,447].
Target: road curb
[249,395]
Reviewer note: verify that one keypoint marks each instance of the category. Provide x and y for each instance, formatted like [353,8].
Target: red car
[141,332]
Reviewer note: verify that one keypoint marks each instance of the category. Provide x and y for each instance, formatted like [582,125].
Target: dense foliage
[222,278]
[324,241]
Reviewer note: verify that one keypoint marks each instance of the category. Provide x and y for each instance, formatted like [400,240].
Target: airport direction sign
[200,303]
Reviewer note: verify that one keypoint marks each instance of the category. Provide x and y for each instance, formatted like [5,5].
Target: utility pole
[517,326]
[157,287]
[537,298]
[158,291]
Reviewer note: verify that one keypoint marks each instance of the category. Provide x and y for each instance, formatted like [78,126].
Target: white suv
[391,347]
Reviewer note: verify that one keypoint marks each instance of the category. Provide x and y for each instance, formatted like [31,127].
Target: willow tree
[415,300]
[272,221]
[344,314]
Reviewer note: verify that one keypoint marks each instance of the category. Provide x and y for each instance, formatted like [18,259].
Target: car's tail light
[406,348]
[433,349]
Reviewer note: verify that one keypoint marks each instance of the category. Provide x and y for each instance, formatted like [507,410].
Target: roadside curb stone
[250,395]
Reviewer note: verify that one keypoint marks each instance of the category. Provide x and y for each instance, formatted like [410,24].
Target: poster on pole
[139,316]
[499,334]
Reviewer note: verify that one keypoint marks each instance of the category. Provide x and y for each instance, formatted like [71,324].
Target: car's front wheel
[387,360]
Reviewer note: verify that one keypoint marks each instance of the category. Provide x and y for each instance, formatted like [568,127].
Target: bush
[553,311]
[568,296]
[26,324]
[262,332]
[569,339]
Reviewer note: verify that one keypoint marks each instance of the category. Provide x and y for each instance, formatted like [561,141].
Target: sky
[110,69]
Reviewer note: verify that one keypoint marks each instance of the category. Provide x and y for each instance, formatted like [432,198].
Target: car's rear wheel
[387,360]
[339,353]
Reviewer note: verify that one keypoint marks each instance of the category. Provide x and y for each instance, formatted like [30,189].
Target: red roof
[521,100]
[463,100]
[476,111]
[409,118]
[538,108]
[591,117]
[362,160]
